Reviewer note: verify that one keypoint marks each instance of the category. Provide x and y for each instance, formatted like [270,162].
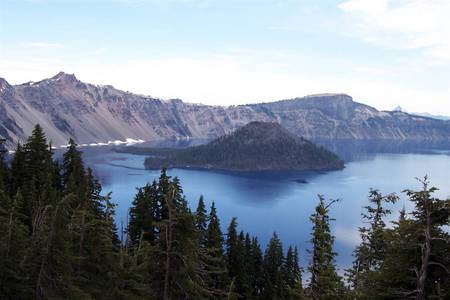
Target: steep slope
[254,147]
[67,107]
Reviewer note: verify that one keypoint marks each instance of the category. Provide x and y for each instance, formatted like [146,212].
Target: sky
[383,53]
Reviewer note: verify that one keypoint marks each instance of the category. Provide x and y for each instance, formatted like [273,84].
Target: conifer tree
[430,215]
[14,245]
[143,216]
[201,222]
[395,278]
[324,283]
[234,254]
[292,275]
[17,171]
[255,269]
[372,250]
[215,265]
[73,172]
[273,270]
[51,267]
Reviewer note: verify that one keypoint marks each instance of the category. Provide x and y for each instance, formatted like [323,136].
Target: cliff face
[67,107]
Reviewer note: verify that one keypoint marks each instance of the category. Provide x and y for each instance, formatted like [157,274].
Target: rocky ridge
[67,107]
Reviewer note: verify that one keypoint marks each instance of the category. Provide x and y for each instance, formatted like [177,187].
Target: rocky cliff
[67,107]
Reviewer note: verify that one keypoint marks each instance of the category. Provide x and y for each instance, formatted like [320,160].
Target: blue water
[279,201]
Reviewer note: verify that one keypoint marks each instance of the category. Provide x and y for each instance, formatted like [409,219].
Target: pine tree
[273,270]
[96,244]
[73,172]
[17,171]
[51,267]
[324,282]
[372,250]
[234,254]
[201,222]
[215,265]
[38,176]
[243,284]
[292,275]
[255,269]
[395,278]
[430,215]
[143,216]
[174,258]
[14,246]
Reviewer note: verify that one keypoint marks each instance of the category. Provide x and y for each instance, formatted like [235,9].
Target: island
[257,146]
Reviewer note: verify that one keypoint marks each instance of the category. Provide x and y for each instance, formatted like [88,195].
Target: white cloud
[404,24]
[43,45]
[347,235]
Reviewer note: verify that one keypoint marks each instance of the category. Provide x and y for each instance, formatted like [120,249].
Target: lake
[283,201]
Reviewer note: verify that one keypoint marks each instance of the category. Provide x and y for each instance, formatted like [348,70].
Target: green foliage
[58,236]
[372,250]
[325,282]
[273,270]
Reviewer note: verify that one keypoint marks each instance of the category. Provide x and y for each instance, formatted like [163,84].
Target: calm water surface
[278,201]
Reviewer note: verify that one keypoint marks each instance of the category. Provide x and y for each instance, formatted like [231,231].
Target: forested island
[256,146]
[58,240]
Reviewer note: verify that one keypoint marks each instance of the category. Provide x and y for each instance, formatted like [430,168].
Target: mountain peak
[398,109]
[62,76]
[4,85]
[330,96]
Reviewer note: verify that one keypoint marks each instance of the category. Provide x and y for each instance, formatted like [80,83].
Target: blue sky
[382,52]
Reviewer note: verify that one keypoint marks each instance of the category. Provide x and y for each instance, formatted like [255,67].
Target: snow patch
[127,142]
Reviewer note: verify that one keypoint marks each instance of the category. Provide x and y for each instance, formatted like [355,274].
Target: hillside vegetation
[253,147]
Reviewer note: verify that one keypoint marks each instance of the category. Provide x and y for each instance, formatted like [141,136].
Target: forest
[59,240]
[257,146]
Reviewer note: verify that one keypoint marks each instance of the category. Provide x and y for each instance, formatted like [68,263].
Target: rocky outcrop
[67,107]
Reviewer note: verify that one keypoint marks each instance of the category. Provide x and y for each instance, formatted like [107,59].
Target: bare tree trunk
[426,253]
[82,233]
[8,246]
[38,288]
[314,294]
[168,250]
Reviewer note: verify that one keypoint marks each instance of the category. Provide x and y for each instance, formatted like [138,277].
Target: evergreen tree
[430,215]
[14,245]
[201,222]
[215,265]
[51,264]
[234,254]
[395,278]
[73,172]
[372,250]
[273,270]
[416,263]
[292,275]
[324,283]
[143,216]
[17,171]
[255,269]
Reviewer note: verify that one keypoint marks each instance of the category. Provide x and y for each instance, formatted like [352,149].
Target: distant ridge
[67,107]
[257,146]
